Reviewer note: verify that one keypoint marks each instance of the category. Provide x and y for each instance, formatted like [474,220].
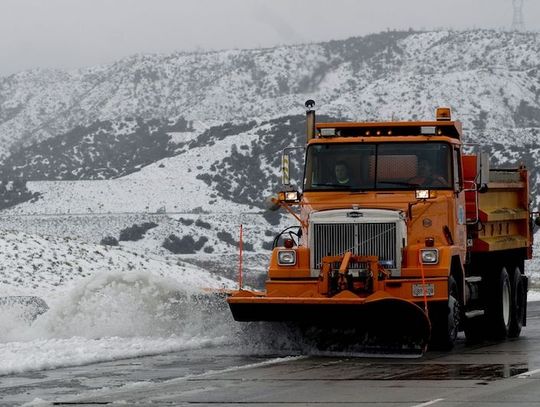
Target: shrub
[202,224]
[184,245]
[186,222]
[227,238]
[136,232]
[109,241]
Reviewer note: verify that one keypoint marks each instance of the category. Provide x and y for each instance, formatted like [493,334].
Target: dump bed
[498,217]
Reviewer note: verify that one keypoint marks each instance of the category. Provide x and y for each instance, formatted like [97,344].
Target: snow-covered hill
[491,79]
[174,195]
[109,121]
[102,150]
[206,129]
[46,266]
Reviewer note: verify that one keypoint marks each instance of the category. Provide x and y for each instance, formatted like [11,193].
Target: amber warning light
[443,114]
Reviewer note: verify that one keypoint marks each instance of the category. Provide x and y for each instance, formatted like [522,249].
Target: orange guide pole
[424,288]
[241,247]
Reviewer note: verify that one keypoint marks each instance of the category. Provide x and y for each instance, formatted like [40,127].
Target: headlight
[286,257]
[429,256]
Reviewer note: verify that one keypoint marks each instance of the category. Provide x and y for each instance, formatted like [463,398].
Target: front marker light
[286,257]
[289,196]
[429,256]
[425,194]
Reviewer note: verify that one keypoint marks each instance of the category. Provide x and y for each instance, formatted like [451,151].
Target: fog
[74,33]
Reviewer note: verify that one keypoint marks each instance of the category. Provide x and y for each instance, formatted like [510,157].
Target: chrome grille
[362,239]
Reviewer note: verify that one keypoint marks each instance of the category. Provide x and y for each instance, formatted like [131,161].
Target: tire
[517,311]
[499,306]
[445,319]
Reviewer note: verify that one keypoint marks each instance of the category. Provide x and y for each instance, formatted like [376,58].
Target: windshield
[378,166]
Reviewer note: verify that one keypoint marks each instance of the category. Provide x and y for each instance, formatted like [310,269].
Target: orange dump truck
[399,228]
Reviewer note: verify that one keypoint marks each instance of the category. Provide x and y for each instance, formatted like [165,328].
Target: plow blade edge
[384,318]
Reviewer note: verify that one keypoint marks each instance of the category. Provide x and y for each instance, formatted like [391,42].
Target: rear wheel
[445,320]
[517,306]
[499,307]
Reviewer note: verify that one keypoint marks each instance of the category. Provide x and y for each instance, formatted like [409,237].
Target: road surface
[490,374]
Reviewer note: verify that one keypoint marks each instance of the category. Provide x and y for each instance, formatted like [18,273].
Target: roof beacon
[443,114]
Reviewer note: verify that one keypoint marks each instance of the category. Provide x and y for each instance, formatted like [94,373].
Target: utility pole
[517,20]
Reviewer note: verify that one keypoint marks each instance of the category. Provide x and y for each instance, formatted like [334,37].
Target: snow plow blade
[379,320]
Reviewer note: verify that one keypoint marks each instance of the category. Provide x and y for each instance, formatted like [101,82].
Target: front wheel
[445,320]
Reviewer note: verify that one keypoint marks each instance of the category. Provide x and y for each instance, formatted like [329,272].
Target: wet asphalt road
[491,374]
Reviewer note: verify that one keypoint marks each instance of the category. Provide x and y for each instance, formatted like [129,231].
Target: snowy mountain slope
[207,217]
[171,185]
[238,161]
[218,181]
[45,265]
[227,164]
[490,78]
[231,168]
[102,150]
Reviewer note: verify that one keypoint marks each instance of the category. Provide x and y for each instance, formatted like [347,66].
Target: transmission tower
[517,20]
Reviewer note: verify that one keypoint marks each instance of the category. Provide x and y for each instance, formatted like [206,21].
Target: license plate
[418,290]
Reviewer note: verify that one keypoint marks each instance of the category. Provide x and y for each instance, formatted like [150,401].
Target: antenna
[517,20]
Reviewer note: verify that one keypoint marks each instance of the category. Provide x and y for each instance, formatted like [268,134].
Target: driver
[341,171]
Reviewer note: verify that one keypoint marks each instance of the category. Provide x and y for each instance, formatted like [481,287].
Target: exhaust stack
[310,119]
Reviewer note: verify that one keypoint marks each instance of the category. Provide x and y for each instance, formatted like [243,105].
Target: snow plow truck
[401,235]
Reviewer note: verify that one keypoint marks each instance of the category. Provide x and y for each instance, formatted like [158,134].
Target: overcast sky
[77,33]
